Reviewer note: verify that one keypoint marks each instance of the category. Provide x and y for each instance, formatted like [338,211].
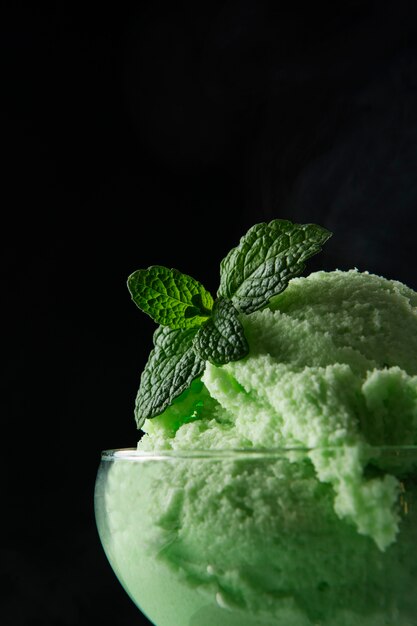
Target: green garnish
[171,367]
[195,328]
[266,259]
[222,338]
[171,298]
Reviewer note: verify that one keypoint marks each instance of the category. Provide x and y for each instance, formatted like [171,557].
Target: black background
[136,134]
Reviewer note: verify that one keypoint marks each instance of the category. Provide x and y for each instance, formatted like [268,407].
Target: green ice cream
[252,540]
[332,363]
[314,520]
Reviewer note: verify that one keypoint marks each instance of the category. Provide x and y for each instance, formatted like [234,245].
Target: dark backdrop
[136,134]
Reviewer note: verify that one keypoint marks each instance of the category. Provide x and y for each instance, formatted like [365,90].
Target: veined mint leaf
[266,259]
[221,339]
[194,329]
[172,366]
[171,298]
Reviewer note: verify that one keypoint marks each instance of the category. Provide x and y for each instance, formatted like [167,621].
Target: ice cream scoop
[275,480]
[332,363]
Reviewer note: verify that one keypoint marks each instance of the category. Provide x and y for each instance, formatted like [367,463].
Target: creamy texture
[251,541]
[325,535]
[332,362]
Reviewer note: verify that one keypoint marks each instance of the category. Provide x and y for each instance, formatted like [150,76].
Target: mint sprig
[222,338]
[266,259]
[195,328]
[171,298]
[172,366]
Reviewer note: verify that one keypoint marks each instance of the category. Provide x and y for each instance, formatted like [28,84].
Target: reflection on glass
[250,538]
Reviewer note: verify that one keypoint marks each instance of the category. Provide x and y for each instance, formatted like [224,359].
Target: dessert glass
[251,538]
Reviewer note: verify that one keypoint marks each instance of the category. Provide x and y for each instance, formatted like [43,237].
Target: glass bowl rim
[133,454]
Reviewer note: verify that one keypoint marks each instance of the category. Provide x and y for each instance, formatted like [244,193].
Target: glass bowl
[255,538]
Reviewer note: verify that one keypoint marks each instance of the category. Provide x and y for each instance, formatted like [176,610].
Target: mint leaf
[171,298]
[221,339]
[266,259]
[194,329]
[172,366]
